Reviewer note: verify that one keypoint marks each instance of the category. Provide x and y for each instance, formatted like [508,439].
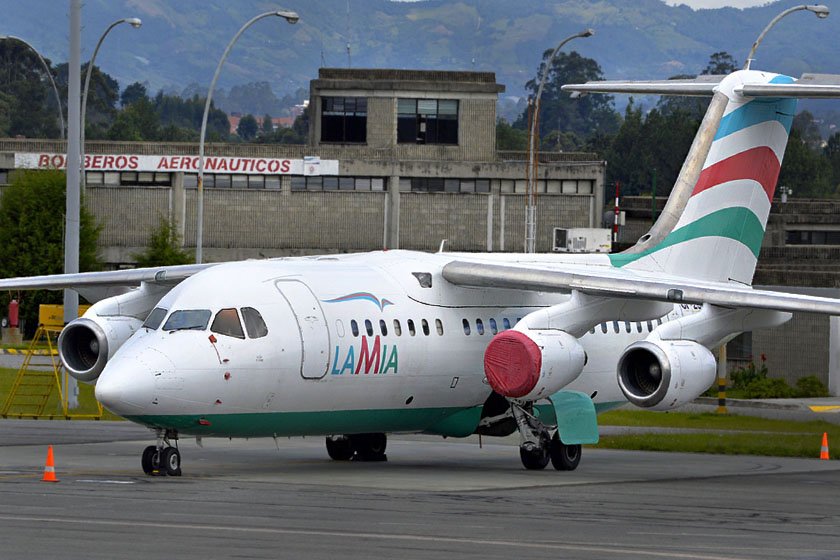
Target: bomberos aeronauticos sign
[187,164]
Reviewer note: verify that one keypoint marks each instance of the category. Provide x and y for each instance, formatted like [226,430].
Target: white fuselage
[355,343]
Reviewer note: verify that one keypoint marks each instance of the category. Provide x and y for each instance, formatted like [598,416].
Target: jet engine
[665,374]
[86,344]
[533,364]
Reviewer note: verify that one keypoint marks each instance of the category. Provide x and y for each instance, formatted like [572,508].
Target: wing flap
[620,283]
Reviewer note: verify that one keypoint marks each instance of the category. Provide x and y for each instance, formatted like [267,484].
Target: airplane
[354,347]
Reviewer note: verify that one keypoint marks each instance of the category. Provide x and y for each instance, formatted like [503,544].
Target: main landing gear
[162,459]
[538,446]
[357,447]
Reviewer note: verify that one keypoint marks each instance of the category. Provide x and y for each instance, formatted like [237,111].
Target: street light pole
[49,75]
[820,10]
[135,23]
[289,16]
[531,192]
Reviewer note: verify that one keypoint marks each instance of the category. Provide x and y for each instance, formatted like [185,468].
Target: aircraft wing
[622,283]
[100,284]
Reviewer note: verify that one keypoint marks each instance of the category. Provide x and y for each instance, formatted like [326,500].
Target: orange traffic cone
[824,448]
[49,468]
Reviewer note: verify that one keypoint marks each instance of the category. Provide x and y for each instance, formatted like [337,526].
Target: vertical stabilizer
[719,233]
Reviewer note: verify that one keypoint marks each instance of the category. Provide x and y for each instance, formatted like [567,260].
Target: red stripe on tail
[759,164]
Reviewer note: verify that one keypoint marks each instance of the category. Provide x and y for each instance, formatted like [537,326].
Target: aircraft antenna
[349,61]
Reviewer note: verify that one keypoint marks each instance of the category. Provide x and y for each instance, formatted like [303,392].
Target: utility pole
[73,211]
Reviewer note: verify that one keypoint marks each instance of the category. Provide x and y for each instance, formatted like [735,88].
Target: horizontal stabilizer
[701,86]
[809,86]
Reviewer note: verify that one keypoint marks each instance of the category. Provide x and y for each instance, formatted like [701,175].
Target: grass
[726,434]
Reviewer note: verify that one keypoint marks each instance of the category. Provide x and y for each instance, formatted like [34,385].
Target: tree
[103,95]
[805,171]
[133,93]
[509,138]
[25,85]
[164,248]
[247,128]
[32,235]
[136,122]
[720,63]
[558,111]
[267,126]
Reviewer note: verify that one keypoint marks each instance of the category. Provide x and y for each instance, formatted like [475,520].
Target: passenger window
[369,327]
[425,325]
[659,321]
[439,327]
[354,327]
[255,326]
[227,323]
[411,330]
[397,328]
[506,323]
[493,327]
[604,328]
[155,318]
[479,326]
[188,319]
[650,326]
[466,327]
[615,326]
[382,328]
[627,326]
[592,330]
[638,326]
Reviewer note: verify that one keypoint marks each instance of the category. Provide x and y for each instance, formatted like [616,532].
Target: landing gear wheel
[533,457]
[339,448]
[171,461]
[150,460]
[369,447]
[564,457]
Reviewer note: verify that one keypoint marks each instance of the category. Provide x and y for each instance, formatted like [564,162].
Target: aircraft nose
[127,385]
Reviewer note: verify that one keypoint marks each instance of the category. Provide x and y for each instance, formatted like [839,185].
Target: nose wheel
[162,459]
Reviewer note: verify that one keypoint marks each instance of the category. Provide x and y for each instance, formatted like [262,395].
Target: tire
[339,448]
[564,457]
[534,458]
[171,461]
[370,447]
[150,461]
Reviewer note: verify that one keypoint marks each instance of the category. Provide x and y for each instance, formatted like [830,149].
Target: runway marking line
[377,536]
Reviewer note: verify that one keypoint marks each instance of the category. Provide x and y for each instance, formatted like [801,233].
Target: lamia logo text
[366,358]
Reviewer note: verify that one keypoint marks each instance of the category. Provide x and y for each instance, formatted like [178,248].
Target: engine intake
[533,364]
[665,374]
[86,344]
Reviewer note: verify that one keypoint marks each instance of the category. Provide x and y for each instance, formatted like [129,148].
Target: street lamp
[820,10]
[135,23]
[49,75]
[531,195]
[289,16]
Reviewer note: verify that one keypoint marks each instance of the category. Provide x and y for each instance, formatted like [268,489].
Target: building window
[427,121]
[344,119]
[437,184]
[333,183]
[805,237]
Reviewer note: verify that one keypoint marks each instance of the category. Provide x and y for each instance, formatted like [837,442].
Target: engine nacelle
[665,374]
[86,344]
[533,364]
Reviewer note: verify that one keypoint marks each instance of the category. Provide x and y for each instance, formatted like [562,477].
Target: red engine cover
[512,364]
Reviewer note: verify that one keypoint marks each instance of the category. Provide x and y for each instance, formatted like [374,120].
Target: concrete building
[395,158]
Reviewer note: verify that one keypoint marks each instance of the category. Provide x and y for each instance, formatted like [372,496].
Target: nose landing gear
[162,459]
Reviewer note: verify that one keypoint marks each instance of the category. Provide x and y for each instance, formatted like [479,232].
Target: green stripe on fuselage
[453,422]
[739,223]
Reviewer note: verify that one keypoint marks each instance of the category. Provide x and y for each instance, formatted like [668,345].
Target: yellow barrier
[53,315]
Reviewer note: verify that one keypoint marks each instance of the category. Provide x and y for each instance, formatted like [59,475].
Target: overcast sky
[699,4]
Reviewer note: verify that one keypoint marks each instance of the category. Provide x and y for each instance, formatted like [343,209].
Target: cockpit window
[227,323]
[188,319]
[254,324]
[155,318]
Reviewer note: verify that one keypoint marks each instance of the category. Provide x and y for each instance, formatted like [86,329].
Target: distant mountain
[181,41]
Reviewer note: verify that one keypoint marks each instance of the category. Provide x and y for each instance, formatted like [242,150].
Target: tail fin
[715,219]
[719,233]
